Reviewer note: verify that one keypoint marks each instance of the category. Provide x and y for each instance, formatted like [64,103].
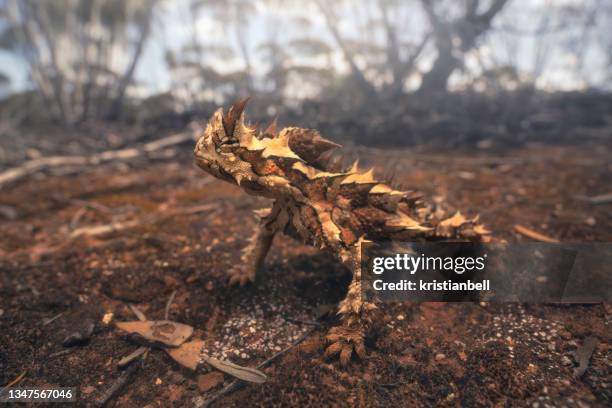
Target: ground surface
[184,230]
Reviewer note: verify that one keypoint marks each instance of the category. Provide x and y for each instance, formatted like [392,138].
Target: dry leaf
[188,354]
[162,332]
[243,373]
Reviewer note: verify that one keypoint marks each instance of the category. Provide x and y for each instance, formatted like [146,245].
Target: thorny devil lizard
[335,211]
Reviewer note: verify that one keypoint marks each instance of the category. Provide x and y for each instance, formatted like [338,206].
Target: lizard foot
[344,339]
[241,276]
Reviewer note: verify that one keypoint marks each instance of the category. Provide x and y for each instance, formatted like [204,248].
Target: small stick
[61,353]
[132,356]
[168,304]
[297,321]
[534,235]
[51,319]
[74,221]
[137,312]
[15,381]
[236,384]
[144,351]
[117,385]
[599,199]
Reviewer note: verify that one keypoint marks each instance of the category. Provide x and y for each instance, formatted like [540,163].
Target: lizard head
[218,149]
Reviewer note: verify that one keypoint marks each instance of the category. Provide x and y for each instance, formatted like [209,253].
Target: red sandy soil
[189,230]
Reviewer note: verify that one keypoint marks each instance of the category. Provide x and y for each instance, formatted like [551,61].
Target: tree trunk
[128,76]
[356,73]
[467,29]
[57,81]
[436,80]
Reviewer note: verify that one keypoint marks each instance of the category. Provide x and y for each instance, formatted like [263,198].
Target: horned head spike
[233,115]
[272,127]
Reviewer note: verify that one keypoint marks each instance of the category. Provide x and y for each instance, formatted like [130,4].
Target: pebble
[107,318]
[440,357]
[88,389]
[565,360]
[400,317]
[209,381]
[81,336]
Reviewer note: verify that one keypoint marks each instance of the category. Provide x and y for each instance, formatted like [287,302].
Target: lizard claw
[240,276]
[344,340]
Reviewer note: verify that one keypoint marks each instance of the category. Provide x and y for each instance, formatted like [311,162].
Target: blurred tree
[200,67]
[5,81]
[550,39]
[454,37]
[79,51]
[298,63]
[454,27]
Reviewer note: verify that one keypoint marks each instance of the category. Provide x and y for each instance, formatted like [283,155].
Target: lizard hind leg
[355,313]
[255,252]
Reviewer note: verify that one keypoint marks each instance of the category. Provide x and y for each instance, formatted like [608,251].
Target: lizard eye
[226,141]
[227,146]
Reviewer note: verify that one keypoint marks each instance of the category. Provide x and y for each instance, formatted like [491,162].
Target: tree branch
[331,19]
[128,76]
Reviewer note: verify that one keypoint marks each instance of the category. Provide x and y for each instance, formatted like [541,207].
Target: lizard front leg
[253,255]
[355,313]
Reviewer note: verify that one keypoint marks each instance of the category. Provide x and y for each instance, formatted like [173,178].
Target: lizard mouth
[213,169]
[224,175]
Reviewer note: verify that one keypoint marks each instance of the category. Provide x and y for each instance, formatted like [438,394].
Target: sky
[152,71]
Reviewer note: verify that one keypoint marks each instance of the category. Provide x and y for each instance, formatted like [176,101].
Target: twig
[297,321]
[236,384]
[74,221]
[148,219]
[97,230]
[15,381]
[61,353]
[93,205]
[599,199]
[43,163]
[117,385]
[390,385]
[168,304]
[534,235]
[140,351]
[51,319]
[137,312]
[132,356]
